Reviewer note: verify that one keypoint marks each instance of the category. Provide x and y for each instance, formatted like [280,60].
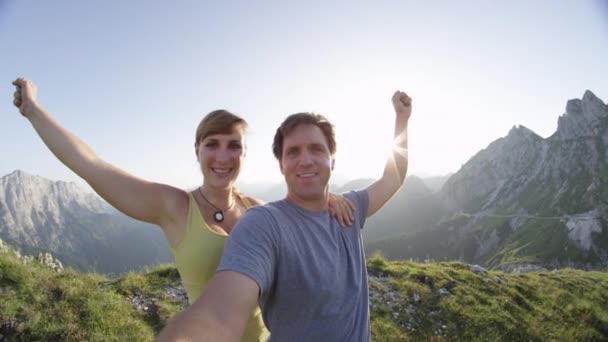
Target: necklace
[218,215]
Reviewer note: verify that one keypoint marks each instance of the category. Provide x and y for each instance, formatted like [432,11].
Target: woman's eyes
[235,146]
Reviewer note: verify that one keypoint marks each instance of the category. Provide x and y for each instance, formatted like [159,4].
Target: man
[307,274]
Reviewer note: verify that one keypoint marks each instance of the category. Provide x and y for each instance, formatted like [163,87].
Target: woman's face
[220,157]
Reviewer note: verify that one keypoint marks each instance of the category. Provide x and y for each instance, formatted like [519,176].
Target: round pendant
[218,216]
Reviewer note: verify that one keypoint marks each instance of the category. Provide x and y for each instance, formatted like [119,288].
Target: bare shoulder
[177,204]
[176,199]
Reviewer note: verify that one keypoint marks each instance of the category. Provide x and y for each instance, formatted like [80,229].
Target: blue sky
[134,78]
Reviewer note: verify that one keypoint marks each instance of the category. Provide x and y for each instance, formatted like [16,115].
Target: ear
[333,163]
[244,150]
[281,167]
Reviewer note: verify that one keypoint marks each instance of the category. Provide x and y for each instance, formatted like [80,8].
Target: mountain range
[78,228]
[522,200]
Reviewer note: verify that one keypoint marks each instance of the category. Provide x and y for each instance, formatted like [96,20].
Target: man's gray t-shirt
[310,270]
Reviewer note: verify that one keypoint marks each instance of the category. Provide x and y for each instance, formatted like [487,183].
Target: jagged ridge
[525,199]
[80,229]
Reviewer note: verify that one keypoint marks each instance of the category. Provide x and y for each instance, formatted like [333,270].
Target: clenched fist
[402,103]
[25,96]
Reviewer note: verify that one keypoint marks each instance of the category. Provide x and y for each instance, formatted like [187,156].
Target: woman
[197,223]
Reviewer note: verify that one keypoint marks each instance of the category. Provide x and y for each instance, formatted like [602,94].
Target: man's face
[306,163]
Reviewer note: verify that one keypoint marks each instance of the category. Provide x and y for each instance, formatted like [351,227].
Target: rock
[522,268]
[179,294]
[581,227]
[478,269]
[47,260]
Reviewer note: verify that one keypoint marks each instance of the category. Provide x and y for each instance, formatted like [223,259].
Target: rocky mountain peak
[38,215]
[594,105]
[16,173]
[583,118]
[522,132]
[15,176]
[34,192]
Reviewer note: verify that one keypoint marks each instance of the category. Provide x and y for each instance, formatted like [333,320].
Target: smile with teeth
[221,171]
[307,175]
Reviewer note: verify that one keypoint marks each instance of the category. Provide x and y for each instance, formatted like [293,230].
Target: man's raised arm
[219,314]
[395,169]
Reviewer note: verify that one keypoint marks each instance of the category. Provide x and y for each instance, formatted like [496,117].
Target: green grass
[540,242]
[569,305]
[37,304]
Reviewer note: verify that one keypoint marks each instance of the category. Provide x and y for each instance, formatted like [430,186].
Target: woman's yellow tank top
[198,255]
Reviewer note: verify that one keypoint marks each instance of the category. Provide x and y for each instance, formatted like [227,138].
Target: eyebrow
[217,140]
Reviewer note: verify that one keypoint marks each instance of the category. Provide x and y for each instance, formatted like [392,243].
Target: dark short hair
[295,120]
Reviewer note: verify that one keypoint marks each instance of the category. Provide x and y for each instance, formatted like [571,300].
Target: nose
[223,156]
[306,159]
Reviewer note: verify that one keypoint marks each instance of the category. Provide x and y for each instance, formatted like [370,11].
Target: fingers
[350,208]
[402,103]
[340,218]
[341,208]
[17,101]
[332,204]
[25,85]
[339,214]
[337,209]
[346,211]
[20,82]
[402,98]
[396,96]
[20,89]
[25,95]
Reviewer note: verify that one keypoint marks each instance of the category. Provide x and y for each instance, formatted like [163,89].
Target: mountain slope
[39,215]
[525,199]
[413,208]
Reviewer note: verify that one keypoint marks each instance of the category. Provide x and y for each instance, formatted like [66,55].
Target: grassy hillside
[449,301]
[410,302]
[37,304]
